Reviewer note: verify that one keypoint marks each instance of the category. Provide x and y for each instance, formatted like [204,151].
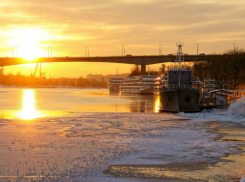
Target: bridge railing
[177,87]
[129,55]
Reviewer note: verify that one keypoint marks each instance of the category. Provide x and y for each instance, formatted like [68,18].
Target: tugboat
[178,95]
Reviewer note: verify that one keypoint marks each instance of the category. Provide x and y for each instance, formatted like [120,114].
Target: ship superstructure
[114,84]
[143,84]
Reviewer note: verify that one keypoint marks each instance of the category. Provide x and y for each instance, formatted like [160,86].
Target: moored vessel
[178,95]
[114,84]
[143,84]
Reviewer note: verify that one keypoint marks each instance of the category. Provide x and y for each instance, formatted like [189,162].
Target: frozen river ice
[123,146]
[83,147]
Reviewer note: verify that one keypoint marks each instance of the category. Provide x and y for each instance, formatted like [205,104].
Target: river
[27,103]
[67,134]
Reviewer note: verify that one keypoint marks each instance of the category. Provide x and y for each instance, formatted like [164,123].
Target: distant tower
[179,60]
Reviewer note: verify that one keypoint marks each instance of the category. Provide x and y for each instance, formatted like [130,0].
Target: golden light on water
[157,104]
[28,106]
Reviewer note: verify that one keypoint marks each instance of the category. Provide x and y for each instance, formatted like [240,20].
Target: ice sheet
[82,147]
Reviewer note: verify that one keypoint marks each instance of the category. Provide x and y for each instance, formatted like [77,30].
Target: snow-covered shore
[81,148]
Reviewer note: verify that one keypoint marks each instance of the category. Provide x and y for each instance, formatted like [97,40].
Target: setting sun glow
[26,42]
[28,106]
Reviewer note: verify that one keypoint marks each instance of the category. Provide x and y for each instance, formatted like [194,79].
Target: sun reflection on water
[157,104]
[28,106]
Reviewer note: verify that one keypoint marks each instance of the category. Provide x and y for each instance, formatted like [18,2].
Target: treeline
[136,71]
[31,81]
[229,71]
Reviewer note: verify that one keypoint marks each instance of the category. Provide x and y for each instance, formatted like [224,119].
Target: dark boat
[178,95]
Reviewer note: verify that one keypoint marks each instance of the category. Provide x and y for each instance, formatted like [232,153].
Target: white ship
[114,84]
[143,84]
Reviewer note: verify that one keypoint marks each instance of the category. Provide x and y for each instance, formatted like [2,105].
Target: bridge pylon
[143,69]
[38,69]
[1,74]
[1,71]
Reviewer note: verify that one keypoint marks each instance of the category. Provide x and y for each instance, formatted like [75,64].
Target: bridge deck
[139,60]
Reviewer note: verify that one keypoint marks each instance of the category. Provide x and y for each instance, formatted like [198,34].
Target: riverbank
[227,168]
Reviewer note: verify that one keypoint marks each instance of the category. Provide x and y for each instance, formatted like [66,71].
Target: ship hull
[113,87]
[148,90]
[179,101]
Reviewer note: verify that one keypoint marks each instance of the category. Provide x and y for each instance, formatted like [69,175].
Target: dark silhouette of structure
[137,60]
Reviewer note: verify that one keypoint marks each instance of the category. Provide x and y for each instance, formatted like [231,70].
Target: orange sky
[29,27]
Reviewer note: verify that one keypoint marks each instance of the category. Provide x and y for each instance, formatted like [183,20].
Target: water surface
[133,144]
[41,102]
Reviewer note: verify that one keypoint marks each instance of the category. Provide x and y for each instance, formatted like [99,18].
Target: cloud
[141,25]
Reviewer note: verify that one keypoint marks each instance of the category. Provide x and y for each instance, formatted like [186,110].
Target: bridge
[137,60]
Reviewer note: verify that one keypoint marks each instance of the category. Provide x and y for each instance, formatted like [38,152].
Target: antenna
[179,60]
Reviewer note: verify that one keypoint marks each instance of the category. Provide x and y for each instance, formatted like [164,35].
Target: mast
[179,60]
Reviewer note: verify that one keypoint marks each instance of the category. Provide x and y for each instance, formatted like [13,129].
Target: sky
[35,28]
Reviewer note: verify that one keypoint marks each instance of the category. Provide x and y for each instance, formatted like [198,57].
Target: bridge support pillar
[137,68]
[143,69]
[1,74]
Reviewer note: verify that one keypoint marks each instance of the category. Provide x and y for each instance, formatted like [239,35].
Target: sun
[30,52]
[27,42]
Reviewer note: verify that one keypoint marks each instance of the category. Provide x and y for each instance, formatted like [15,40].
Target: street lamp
[85,51]
[123,50]
[88,51]
[160,49]
[13,48]
[49,50]
[197,48]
